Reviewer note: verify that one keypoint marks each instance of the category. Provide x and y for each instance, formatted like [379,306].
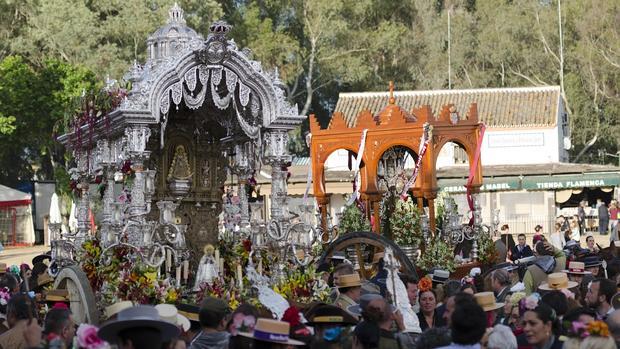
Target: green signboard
[560,182]
[489,184]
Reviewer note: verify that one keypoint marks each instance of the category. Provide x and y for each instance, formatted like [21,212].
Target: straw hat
[138,316]
[327,314]
[557,281]
[578,268]
[169,312]
[348,280]
[487,301]
[57,296]
[273,331]
[117,308]
[189,311]
[44,279]
[3,268]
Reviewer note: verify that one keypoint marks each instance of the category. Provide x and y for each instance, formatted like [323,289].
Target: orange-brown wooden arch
[393,127]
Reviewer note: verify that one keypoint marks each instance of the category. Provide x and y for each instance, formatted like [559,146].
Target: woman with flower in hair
[428,315]
[540,324]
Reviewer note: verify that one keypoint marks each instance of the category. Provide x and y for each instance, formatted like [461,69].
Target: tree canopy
[51,49]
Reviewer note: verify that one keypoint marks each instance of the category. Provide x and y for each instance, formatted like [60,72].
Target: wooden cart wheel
[83,302]
[366,244]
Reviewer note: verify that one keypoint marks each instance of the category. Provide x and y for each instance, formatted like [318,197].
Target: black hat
[139,316]
[592,261]
[189,311]
[42,257]
[506,266]
[329,314]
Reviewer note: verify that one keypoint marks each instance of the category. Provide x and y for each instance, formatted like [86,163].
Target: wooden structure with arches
[393,127]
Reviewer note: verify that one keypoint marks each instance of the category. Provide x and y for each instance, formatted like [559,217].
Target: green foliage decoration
[405,223]
[438,254]
[486,248]
[352,220]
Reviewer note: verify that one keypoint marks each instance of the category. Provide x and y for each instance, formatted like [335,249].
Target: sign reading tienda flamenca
[570,181]
[558,182]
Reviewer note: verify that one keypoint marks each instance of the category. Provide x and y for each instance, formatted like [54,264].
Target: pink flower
[531,302]
[88,339]
[568,293]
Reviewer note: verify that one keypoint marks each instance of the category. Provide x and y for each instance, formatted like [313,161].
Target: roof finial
[392,99]
[176,14]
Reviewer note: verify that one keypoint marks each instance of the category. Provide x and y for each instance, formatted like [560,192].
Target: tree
[34,101]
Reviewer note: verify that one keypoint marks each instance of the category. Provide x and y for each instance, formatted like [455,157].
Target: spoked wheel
[81,296]
[362,246]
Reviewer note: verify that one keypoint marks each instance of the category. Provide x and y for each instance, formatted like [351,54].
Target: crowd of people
[549,294]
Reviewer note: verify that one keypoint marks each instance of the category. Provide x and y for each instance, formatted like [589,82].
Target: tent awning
[13,197]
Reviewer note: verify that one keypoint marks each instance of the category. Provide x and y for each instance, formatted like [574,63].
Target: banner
[356,168]
[424,141]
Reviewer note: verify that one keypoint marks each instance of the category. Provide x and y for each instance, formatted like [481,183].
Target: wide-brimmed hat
[507,266]
[189,311]
[42,258]
[578,268]
[138,316]
[116,308]
[592,261]
[357,309]
[327,314]
[44,279]
[169,312]
[272,331]
[348,280]
[487,301]
[557,281]
[57,296]
[440,276]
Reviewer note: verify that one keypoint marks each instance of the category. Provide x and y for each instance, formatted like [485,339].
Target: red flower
[291,315]
[247,245]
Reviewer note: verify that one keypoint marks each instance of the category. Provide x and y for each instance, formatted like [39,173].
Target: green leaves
[33,102]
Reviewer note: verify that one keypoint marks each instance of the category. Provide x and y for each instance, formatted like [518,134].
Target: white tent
[16,225]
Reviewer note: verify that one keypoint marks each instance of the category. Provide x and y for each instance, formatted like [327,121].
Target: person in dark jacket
[521,250]
[603,217]
[213,318]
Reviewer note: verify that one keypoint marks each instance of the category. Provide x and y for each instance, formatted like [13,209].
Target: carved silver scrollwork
[244,94]
[177,93]
[164,103]
[190,79]
[216,76]
[231,80]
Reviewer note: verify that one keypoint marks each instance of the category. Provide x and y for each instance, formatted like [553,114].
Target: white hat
[117,308]
[170,313]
